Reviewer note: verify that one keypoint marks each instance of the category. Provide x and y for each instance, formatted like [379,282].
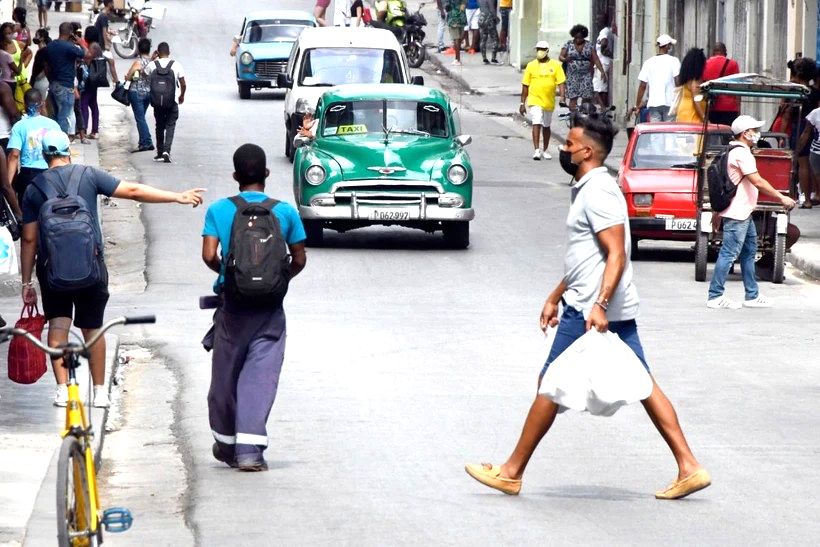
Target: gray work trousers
[248,350]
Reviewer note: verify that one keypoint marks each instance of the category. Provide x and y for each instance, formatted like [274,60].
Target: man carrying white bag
[598,293]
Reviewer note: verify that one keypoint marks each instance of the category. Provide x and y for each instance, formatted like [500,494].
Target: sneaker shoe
[158,158]
[546,155]
[101,397]
[536,155]
[449,51]
[496,62]
[471,51]
[456,63]
[61,396]
[485,61]
[721,302]
[251,462]
[166,157]
[221,456]
[759,302]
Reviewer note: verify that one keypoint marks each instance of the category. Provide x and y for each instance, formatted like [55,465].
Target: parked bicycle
[79,522]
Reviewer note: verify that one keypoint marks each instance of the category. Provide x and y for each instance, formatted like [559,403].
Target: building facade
[762,35]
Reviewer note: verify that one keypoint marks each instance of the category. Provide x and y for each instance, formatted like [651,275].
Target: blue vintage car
[264,45]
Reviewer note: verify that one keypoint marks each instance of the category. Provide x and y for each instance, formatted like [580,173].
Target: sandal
[806,205]
[93,136]
[488,475]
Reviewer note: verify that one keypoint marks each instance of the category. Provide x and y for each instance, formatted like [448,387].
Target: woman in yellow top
[691,71]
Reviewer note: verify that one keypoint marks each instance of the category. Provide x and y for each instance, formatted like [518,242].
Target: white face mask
[754,137]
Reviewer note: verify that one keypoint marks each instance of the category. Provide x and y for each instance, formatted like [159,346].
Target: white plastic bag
[598,373]
[8,253]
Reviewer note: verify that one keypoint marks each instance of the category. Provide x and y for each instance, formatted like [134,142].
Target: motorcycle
[139,22]
[409,30]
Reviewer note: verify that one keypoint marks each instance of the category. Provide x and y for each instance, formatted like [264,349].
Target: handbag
[121,95]
[8,220]
[98,73]
[27,364]
[676,99]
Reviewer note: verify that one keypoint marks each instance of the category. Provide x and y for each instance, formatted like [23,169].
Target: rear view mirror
[284,81]
[417,80]
[464,140]
[299,141]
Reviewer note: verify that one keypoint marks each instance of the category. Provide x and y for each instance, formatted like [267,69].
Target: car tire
[634,252]
[314,232]
[701,255]
[779,258]
[244,91]
[288,146]
[456,234]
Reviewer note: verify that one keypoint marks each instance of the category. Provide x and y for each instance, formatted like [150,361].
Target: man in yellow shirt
[541,77]
[504,8]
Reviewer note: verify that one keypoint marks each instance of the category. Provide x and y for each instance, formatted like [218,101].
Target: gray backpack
[70,246]
[163,85]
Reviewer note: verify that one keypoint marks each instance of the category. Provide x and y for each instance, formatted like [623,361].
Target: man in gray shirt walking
[598,293]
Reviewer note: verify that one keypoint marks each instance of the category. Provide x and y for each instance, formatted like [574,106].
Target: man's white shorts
[598,83]
[539,116]
[472,19]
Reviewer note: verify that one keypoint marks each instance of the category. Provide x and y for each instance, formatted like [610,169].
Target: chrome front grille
[269,69]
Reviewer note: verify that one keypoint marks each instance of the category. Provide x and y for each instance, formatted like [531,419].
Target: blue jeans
[658,113]
[442,24]
[64,102]
[739,238]
[572,326]
[139,104]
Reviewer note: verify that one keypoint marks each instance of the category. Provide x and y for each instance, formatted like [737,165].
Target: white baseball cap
[744,123]
[665,40]
[542,44]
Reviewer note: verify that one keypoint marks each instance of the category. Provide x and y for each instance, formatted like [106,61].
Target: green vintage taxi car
[384,154]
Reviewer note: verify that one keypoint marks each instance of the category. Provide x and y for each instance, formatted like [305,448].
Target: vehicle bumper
[255,81]
[365,213]
[655,228]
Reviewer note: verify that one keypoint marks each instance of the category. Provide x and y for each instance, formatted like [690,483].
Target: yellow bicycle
[79,522]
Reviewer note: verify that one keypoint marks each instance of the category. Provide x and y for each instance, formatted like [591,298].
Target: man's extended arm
[28,251]
[549,314]
[763,185]
[525,91]
[639,96]
[149,194]
[182,88]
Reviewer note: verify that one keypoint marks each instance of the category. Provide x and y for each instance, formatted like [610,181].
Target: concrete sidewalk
[497,89]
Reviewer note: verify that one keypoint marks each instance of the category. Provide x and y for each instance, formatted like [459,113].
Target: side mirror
[417,80]
[283,81]
[464,140]
[299,141]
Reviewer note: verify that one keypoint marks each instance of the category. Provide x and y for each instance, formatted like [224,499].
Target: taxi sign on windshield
[351,129]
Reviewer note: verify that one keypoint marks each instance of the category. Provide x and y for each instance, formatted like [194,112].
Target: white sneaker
[61,397]
[456,63]
[536,155]
[759,302]
[721,302]
[101,397]
[546,155]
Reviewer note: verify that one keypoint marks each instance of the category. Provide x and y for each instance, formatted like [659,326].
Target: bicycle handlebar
[77,349]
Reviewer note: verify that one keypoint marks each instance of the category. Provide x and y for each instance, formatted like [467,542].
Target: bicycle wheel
[73,501]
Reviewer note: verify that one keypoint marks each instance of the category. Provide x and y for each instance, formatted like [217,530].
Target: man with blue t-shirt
[61,59]
[248,343]
[25,146]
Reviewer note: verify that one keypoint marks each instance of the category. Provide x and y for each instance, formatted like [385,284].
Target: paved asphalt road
[406,360]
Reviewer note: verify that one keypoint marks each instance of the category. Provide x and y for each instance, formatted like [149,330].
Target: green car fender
[307,157]
[439,175]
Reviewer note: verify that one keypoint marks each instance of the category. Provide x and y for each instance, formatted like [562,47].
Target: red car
[658,177]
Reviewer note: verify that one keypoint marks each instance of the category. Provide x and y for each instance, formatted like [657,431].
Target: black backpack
[257,268]
[721,188]
[163,85]
[70,246]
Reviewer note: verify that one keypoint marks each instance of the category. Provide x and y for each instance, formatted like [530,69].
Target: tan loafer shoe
[488,474]
[682,488]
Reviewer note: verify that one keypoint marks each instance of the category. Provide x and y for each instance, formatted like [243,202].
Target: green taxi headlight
[457,174]
[315,175]
[246,58]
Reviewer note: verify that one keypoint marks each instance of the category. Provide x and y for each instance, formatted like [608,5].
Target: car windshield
[401,117]
[335,66]
[670,150]
[273,31]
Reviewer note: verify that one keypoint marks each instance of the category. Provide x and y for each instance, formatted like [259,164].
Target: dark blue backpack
[70,247]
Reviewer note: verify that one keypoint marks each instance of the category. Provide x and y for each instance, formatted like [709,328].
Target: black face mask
[566,163]
[36,41]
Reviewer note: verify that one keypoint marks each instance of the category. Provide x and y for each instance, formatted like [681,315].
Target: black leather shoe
[224,458]
[250,462]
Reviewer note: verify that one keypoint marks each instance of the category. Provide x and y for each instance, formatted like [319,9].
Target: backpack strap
[159,66]
[238,201]
[74,180]
[45,182]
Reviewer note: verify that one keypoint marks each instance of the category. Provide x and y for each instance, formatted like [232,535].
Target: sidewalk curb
[801,255]
[434,60]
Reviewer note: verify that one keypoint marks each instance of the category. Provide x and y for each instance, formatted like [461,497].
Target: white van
[324,57]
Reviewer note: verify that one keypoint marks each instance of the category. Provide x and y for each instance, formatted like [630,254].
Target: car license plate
[390,214]
[682,224]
